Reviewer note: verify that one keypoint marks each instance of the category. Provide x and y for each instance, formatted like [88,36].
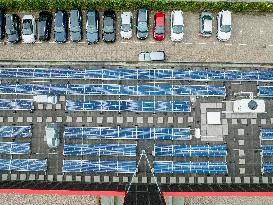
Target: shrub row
[159,5]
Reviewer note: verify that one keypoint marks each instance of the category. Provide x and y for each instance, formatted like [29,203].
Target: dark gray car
[142,24]
[2,24]
[92,26]
[60,28]
[109,26]
[13,28]
[75,25]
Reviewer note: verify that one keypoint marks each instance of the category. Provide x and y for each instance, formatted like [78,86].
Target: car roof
[178,18]
[226,17]
[27,17]
[126,17]
[142,14]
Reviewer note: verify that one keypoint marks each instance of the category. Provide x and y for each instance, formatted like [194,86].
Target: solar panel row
[15,131]
[267,167]
[266,134]
[23,165]
[113,89]
[127,133]
[133,106]
[14,148]
[17,104]
[136,74]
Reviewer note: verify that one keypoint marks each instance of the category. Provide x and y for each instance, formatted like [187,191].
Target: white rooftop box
[249,106]
[45,99]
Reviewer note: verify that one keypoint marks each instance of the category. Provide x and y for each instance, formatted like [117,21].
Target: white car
[224,25]
[126,25]
[29,29]
[177,26]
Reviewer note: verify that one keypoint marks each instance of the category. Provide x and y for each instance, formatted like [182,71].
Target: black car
[109,26]
[2,24]
[142,24]
[44,25]
[75,25]
[61,27]
[92,26]
[13,28]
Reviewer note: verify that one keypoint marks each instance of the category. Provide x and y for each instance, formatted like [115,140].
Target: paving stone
[106,179]
[241,142]
[87,178]
[62,98]
[79,119]
[253,121]
[228,180]
[48,119]
[13,177]
[241,132]
[153,180]
[210,180]
[49,106]
[97,179]
[78,178]
[191,180]
[1,119]
[237,180]
[242,161]
[172,180]
[125,179]
[256,180]
[49,177]
[116,179]
[271,120]
[242,170]
[247,180]
[180,120]
[23,177]
[224,121]
[219,180]
[59,178]
[135,180]
[89,119]
[68,178]
[163,180]
[200,180]
[20,119]
[160,120]
[31,177]
[244,121]
[59,119]
[241,153]
[119,120]
[39,119]
[110,119]
[234,121]
[99,120]
[42,177]
[139,120]
[150,120]
[68,119]
[130,119]
[4,177]
[263,121]
[40,106]
[10,119]
[190,119]
[170,120]
[265,180]
[58,106]
[144,180]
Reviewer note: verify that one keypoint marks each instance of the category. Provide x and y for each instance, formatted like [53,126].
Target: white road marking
[82,42]
[124,42]
[228,44]
[52,42]
[152,42]
[242,44]
[270,45]
[38,42]
[188,43]
[202,43]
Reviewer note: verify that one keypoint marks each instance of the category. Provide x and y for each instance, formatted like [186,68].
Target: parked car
[177,26]
[206,24]
[13,28]
[159,26]
[75,25]
[92,26]
[60,29]
[126,25]
[44,25]
[2,24]
[224,25]
[109,26]
[29,29]
[152,56]
[142,27]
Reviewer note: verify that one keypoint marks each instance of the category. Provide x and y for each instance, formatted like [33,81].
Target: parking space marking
[202,43]
[228,44]
[270,45]
[124,41]
[152,42]
[52,42]
[82,42]
[188,43]
[38,42]
[242,44]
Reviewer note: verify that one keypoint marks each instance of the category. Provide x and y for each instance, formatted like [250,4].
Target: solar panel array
[266,134]
[100,149]
[267,150]
[14,148]
[267,167]
[17,104]
[133,106]
[136,74]
[99,166]
[127,133]
[23,165]
[190,150]
[15,131]
[265,91]
[161,167]
[113,89]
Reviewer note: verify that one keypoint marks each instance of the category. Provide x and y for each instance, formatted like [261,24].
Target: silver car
[206,24]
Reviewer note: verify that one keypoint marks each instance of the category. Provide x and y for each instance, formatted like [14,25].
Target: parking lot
[251,42]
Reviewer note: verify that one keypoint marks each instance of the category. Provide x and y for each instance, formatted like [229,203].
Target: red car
[159,26]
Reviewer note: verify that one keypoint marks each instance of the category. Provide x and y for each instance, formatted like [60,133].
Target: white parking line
[242,44]
[228,44]
[188,43]
[152,42]
[202,43]
[52,42]
[82,42]
[270,45]
[138,41]
[38,42]
[124,42]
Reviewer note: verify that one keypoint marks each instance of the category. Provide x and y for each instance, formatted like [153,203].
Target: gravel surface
[22,199]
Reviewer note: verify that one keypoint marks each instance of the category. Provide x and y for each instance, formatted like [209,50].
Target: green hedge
[163,5]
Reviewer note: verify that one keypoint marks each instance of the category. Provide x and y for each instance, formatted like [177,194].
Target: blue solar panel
[266,134]
[14,148]
[267,167]
[135,74]
[8,104]
[100,149]
[161,167]
[190,150]
[113,89]
[133,106]
[127,133]
[23,165]
[99,166]
[265,91]
[15,131]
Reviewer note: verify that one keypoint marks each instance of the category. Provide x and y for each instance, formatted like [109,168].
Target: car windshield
[59,29]
[159,29]
[108,25]
[178,29]
[126,27]
[225,28]
[27,27]
[41,26]
[10,30]
[75,29]
[142,26]
[91,28]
